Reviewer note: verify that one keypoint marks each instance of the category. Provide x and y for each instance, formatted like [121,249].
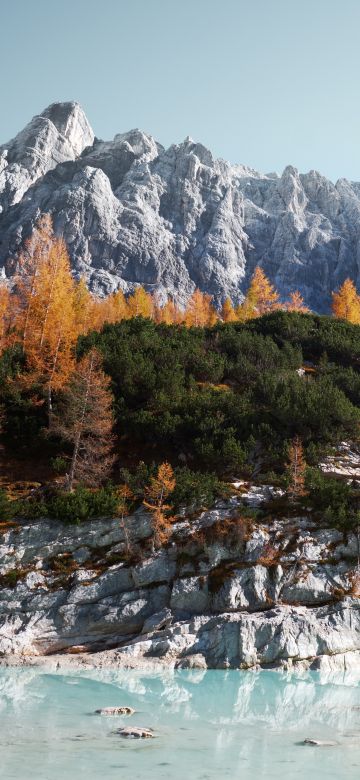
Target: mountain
[171,219]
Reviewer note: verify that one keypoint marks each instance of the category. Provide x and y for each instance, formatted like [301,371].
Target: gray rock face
[132,212]
[285,595]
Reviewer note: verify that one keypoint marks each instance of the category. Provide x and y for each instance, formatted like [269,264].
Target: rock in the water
[320,742]
[136,732]
[193,661]
[115,711]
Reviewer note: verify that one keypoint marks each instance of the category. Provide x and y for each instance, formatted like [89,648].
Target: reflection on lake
[215,724]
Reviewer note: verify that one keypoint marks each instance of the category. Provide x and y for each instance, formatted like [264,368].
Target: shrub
[59,464]
[7,508]
[196,490]
[332,497]
[83,504]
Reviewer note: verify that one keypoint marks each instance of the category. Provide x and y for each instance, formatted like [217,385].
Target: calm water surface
[215,724]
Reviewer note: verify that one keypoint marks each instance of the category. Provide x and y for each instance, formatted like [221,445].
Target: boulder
[115,711]
[320,742]
[136,732]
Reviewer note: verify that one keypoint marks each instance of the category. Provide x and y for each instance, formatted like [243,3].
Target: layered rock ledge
[227,592]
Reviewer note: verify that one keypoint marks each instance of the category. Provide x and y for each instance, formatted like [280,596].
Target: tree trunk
[74,462]
[80,430]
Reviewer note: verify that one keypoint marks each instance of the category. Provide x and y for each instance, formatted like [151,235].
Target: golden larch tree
[296,303]
[261,296]
[51,330]
[169,313]
[227,311]
[5,305]
[296,470]
[140,303]
[83,304]
[85,419]
[156,495]
[199,311]
[346,303]
[28,267]
[119,306]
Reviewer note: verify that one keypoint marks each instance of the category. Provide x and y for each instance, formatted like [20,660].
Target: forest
[107,403]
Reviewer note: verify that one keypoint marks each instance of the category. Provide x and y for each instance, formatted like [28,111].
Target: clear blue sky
[262,82]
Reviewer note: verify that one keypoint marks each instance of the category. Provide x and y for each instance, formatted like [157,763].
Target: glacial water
[214,724]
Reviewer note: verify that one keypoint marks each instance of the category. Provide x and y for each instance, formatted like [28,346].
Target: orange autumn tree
[83,305]
[29,264]
[140,303]
[227,313]
[260,298]
[119,306]
[113,308]
[199,311]
[169,313]
[296,303]
[4,315]
[346,303]
[47,316]
[85,419]
[296,470]
[156,495]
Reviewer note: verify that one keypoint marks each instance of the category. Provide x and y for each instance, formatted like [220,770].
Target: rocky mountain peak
[71,122]
[171,219]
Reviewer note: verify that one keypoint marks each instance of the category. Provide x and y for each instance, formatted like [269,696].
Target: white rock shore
[278,595]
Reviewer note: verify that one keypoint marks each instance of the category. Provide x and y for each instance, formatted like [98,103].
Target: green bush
[82,504]
[332,498]
[228,398]
[7,508]
[59,464]
[196,490]
[138,479]
[209,392]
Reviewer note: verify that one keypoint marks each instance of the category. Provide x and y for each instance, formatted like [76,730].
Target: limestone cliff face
[133,212]
[270,595]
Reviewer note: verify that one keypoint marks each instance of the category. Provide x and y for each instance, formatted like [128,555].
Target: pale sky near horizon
[260,82]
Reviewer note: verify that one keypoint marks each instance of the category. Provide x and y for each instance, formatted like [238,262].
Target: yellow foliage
[346,303]
[140,303]
[200,311]
[83,302]
[261,296]
[4,315]
[228,311]
[296,303]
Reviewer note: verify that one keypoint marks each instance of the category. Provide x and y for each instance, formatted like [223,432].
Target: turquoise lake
[215,724]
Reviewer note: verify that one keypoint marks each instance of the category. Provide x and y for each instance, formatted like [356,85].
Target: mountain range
[133,212]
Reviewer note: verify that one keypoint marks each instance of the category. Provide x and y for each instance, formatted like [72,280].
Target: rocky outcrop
[226,593]
[343,462]
[133,212]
